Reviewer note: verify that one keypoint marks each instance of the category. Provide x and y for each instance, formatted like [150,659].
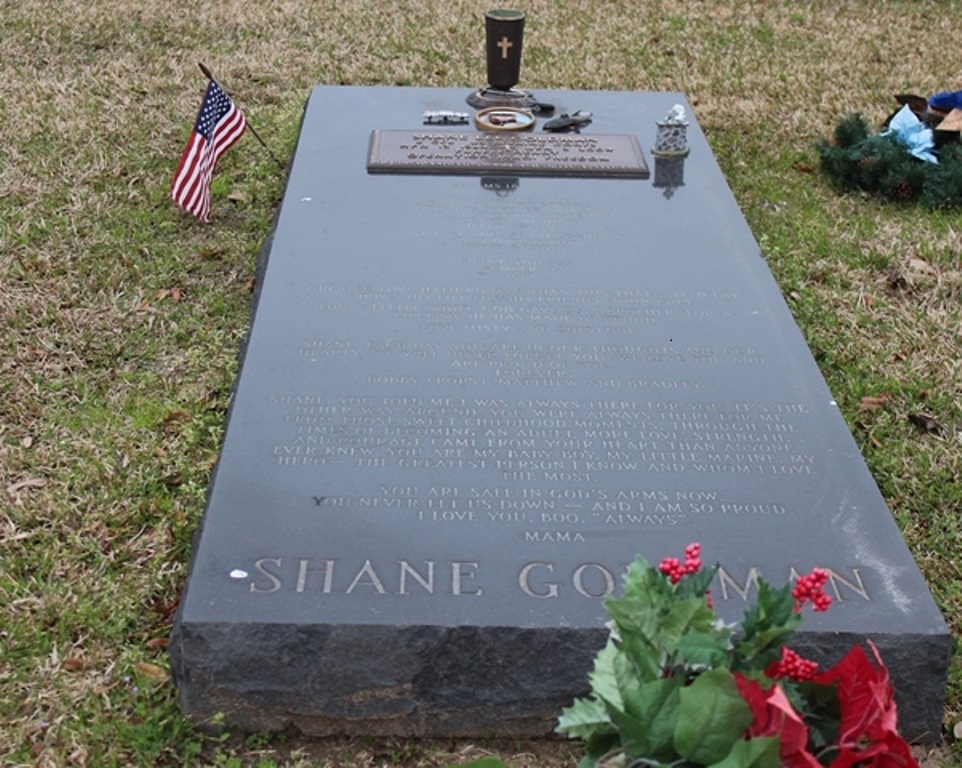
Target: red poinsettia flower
[891,752]
[868,735]
[774,716]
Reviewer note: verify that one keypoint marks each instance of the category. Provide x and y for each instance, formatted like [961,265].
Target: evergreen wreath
[881,165]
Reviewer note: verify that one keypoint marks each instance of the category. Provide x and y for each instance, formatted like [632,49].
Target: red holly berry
[675,570]
[792,666]
[811,587]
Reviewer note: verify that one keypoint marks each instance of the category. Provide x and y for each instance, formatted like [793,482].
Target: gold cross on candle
[504,44]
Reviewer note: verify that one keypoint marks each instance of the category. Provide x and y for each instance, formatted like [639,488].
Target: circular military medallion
[504,119]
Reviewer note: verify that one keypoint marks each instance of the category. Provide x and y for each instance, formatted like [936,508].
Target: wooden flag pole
[210,76]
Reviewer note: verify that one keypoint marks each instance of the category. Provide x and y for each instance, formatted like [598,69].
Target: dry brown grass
[121,318]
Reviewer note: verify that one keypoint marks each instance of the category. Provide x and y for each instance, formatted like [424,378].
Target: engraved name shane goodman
[537,580]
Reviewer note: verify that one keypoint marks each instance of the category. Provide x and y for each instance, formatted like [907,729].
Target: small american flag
[218,127]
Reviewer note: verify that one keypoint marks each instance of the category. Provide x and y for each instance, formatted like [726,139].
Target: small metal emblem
[445,117]
[504,119]
[569,122]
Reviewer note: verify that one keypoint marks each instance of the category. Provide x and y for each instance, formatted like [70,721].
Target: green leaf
[687,615]
[640,578]
[697,584]
[649,630]
[584,719]
[646,658]
[602,678]
[648,724]
[821,712]
[760,752]
[597,747]
[768,625]
[708,649]
[711,718]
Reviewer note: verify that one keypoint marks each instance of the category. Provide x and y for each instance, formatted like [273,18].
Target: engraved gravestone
[468,401]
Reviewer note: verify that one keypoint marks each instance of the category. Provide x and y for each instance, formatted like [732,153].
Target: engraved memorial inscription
[397,151]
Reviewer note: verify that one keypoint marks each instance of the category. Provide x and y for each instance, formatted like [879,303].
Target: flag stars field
[219,126]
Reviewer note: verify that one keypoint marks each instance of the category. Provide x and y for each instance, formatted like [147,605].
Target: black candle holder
[504,41]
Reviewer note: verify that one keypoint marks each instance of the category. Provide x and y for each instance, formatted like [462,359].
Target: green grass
[121,318]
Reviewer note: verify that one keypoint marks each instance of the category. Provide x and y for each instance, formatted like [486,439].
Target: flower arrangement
[676,686]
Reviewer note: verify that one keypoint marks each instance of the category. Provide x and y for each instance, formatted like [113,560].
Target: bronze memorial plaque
[521,154]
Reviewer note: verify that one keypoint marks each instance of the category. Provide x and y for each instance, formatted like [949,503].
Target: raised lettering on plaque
[396,151]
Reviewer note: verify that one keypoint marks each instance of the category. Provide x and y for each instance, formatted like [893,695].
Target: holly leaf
[697,584]
[709,649]
[585,719]
[820,708]
[662,625]
[637,647]
[768,625]
[639,577]
[711,717]
[604,684]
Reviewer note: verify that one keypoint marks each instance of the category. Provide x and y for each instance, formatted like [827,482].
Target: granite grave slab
[468,401]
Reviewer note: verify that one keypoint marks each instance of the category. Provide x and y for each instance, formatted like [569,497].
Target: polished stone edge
[469,682]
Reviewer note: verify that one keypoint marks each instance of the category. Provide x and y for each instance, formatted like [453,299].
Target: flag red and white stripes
[218,126]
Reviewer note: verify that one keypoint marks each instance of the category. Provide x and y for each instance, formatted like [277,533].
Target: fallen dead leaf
[153,671]
[212,254]
[174,294]
[874,402]
[72,664]
[803,167]
[30,482]
[921,265]
[177,417]
[157,643]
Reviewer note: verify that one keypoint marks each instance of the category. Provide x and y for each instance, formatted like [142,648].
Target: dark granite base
[470,682]
[386,681]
